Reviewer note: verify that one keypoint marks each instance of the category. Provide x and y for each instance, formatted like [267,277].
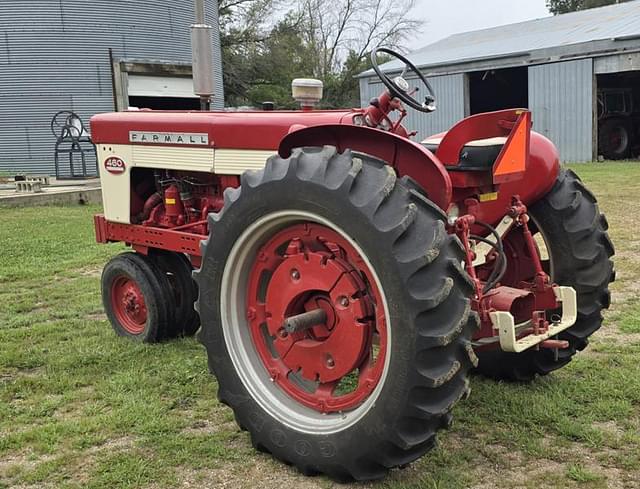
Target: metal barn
[90,57]
[577,72]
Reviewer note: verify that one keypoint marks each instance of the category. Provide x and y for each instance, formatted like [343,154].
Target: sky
[445,17]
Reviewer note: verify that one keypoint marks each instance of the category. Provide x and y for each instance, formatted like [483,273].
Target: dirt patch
[90,271]
[609,334]
[262,472]
[207,427]
[23,460]
[40,307]
[117,444]
[609,427]
[624,290]
[542,470]
[84,465]
[39,485]
[596,461]
[96,316]
[15,373]
[501,467]
[12,465]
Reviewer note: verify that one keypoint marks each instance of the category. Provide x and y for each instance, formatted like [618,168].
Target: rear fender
[407,157]
[538,179]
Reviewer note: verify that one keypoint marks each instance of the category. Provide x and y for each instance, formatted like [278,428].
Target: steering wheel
[399,87]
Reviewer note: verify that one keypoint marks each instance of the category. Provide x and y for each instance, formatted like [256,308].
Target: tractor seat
[478,155]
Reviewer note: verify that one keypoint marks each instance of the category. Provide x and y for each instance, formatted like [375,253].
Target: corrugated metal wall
[449,91]
[561,99]
[54,56]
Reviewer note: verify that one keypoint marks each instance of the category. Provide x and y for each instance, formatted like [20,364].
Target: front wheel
[136,297]
[335,314]
[178,269]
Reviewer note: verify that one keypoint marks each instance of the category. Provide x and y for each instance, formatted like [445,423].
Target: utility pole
[202,57]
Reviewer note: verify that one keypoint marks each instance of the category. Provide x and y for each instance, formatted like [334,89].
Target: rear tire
[576,237]
[400,237]
[615,138]
[136,298]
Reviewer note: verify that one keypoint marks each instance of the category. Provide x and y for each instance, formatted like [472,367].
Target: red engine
[178,200]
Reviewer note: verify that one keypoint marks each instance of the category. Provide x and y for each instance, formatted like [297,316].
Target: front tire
[182,288]
[136,298]
[407,349]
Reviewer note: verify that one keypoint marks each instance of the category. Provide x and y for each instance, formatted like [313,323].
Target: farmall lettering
[114,165]
[193,139]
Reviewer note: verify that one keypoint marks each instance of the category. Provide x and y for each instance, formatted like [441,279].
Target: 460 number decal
[115,165]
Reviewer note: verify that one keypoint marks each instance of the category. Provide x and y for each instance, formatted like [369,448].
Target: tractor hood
[242,130]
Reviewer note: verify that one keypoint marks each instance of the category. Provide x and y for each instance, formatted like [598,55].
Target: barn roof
[589,32]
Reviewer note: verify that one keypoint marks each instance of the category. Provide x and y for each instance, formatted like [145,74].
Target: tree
[342,29]
[564,6]
[341,35]
[343,89]
[316,38]
[243,29]
[282,57]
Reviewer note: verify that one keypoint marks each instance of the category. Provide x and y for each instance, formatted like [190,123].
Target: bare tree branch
[342,26]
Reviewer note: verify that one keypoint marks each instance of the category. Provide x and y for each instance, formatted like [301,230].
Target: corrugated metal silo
[54,55]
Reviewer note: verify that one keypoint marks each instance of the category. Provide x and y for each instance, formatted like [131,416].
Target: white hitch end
[503,321]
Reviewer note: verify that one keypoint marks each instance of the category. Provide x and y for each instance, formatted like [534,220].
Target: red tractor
[345,288]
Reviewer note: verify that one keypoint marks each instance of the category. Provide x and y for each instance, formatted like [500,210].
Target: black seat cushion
[479,155]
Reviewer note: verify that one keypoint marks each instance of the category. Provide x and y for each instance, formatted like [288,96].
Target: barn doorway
[164,103]
[618,113]
[491,90]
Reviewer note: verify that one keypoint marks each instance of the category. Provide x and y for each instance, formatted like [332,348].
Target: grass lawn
[80,407]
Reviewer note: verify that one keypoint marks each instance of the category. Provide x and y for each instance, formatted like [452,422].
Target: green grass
[80,407]
[578,473]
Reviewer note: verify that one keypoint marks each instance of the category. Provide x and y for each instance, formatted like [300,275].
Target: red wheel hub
[335,364]
[616,138]
[128,305]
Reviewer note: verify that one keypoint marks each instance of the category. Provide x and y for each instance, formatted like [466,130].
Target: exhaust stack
[202,57]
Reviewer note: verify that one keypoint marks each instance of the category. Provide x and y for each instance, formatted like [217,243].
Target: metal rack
[71,135]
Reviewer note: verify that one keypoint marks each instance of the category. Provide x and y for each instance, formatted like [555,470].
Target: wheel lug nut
[343,301]
[295,274]
[330,362]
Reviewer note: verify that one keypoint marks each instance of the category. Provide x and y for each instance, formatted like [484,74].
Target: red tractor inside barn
[345,288]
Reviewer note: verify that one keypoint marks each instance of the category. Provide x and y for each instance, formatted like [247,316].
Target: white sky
[446,17]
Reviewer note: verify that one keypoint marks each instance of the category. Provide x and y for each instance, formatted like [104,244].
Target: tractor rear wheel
[614,138]
[335,313]
[177,268]
[136,297]
[575,251]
